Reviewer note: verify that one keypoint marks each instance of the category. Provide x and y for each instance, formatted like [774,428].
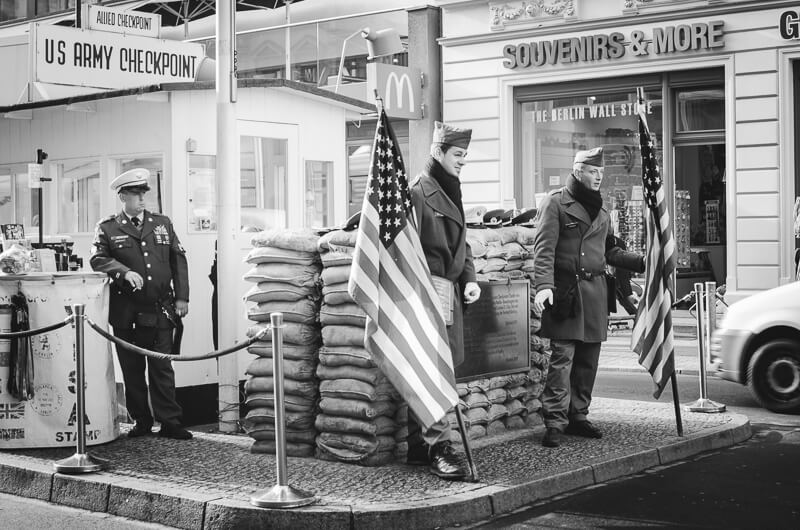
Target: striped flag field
[390,281]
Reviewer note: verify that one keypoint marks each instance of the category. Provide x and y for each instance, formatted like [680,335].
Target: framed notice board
[497,331]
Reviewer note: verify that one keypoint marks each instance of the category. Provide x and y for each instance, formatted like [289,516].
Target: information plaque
[497,331]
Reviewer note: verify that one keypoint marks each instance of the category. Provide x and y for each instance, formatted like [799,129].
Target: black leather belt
[588,275]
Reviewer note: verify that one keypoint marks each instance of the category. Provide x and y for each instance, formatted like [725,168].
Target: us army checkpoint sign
[79,57]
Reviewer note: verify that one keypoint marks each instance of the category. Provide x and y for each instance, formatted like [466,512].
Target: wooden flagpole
[473,470]
[673,377]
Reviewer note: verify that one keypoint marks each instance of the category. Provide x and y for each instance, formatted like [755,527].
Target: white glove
[545,295]
[471,292]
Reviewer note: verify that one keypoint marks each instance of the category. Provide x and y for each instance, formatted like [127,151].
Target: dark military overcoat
[570,257]
[155,253]
[443,235]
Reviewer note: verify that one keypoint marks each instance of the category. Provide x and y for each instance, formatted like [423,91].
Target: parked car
[758,344]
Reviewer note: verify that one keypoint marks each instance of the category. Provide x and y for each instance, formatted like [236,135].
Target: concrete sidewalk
[207,482]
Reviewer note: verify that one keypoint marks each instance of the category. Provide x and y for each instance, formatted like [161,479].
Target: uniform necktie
[135,221]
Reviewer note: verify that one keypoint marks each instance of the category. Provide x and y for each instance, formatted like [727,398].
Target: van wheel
[774,375]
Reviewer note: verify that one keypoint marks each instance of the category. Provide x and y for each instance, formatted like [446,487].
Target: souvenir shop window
[78,195]
[153,200]
[552,130]
[319,196]
[700,109]
[263,183]
[202,193]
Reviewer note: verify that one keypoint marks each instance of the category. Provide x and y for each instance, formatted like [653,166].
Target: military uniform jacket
[570,252]
[155,253]
[443,235]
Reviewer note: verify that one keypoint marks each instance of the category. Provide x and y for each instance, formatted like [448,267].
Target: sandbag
[303,311]
[279,291]
[291,402]
[303,239]
[381,425]
[342,455]
[357,443]
[372,376]
[302,370]
[340,255]
[497,395]
[296,421]
[343,336]
[355,408]
[355,389]
[336,294]
[334,274]
[281,255]
[298,275]
[346,314]
[307,389]
[289,351]
[266,431]
[293,333]
[337,238]
[342,355]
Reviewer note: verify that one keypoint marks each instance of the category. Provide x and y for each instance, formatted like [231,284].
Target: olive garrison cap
[133,178]
[592,157]
[449,135]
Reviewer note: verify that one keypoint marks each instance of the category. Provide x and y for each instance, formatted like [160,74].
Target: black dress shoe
[445,464]
[583,428]
[140,429]
[175,432]
[552,437]
[418,454]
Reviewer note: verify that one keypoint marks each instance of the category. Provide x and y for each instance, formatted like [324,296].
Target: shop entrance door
[700,213]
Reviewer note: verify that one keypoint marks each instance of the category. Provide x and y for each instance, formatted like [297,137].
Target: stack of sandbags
[358,404]
[286,270]
[500,253]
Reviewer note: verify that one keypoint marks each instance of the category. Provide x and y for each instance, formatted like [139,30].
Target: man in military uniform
[439,213]
[141,254]
[571,250]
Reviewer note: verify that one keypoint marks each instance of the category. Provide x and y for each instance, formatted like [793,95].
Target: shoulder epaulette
[109,218]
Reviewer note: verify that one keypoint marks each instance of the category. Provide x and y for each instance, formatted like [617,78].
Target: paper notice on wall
[444,288]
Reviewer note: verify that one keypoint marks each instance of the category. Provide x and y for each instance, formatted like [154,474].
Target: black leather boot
[444,462]
[417,453]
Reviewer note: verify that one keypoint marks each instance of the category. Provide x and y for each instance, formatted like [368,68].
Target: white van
[758,345]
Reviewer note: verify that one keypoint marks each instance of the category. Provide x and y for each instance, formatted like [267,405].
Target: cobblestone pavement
[213,466]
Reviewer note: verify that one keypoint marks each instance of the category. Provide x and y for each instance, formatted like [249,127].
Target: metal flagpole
[227,210]
[473,470]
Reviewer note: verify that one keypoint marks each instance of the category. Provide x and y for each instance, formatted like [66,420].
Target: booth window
[18,204]
[263,182]
[319,178]
[202,186]
[553,127]
[153,200]
[78,195]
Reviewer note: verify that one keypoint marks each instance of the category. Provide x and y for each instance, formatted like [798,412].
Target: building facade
[537,81]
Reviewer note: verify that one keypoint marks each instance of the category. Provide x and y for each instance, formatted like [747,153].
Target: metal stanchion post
[80,462]
[704,310]
[282,495]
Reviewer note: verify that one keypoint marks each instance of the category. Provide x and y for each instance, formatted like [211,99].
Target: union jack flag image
[12,411]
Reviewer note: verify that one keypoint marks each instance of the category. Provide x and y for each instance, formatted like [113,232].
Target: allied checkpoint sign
[116,20]
[497,331]
[101,59]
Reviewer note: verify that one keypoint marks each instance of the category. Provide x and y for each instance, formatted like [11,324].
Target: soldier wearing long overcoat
[572,249]
[439,219]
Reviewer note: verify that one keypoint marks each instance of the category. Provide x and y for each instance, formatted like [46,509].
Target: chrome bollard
[282,495]
[705,310]
[80,462]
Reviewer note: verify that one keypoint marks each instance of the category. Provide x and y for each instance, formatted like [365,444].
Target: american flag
[12,411]
[652,336]
[390,280]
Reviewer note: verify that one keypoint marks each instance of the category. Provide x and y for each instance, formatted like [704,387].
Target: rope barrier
[37,331]
[175,357]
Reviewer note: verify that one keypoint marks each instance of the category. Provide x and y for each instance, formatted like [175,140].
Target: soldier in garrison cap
[570,258]
[140,252]
[439,211]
